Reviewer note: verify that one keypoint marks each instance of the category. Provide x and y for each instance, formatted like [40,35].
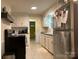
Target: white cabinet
[42,40]
[47,42]
[51,44]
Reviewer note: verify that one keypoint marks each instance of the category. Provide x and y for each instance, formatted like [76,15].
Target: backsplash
[47,30]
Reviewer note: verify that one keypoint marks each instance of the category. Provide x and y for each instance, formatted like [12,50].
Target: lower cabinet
[47,42]
[41,39]
[51,45]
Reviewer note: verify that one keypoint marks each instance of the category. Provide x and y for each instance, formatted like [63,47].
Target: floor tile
[36,51]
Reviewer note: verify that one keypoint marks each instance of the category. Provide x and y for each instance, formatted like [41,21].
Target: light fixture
[65,1]
[75,0]
[51,13]
[33,8]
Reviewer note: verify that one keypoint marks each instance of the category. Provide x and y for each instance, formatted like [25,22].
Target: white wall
[38,25]
[24,21]
[5,4]
[53,9]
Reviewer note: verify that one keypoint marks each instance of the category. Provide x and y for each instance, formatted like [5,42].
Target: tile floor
[35,51]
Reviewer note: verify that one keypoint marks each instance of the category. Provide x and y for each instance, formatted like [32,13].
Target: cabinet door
[51,44]
[41,39]
[47,41]
[44,41]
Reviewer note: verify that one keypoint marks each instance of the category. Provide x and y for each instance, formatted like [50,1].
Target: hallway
[35,51]
[52,23]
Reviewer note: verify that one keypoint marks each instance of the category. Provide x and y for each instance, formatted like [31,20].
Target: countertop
[62,29]
[47,34]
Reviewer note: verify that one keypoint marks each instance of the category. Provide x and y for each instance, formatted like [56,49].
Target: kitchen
[52,33]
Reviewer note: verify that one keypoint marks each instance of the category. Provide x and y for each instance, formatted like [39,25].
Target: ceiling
[23,6]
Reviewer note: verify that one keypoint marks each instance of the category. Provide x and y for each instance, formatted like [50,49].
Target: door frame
[35,28]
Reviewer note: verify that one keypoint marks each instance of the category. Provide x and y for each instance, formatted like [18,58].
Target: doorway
[32,30]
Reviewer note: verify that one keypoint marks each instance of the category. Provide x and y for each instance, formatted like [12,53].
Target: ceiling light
[51,13]
[33,8]
[74,0]
[65,1]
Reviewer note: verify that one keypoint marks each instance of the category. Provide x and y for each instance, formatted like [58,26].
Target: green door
[32,30]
